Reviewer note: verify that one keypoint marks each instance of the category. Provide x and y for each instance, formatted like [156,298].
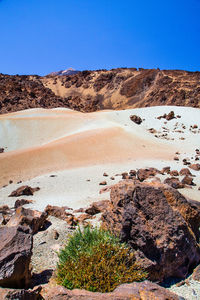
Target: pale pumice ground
[77,147]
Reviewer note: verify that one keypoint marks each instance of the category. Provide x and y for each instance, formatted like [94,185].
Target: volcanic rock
[159,224]
[195,167]
[136,119]
[174,182]
[165,170]
[170,116]
[185,171]
[32,218]
[15,255]
[188,180]
[145,290]
[58,212]
[143,174]
[174,173]
[21,202]
[21,294]
[24,190]
[97,207]
[96,90]
[103,183]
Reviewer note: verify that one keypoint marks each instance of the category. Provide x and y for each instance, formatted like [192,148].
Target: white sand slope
[79,146]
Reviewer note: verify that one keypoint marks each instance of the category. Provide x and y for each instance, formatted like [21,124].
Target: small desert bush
[95,260]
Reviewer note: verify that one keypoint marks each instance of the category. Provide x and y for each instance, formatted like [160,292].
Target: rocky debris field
[158,222]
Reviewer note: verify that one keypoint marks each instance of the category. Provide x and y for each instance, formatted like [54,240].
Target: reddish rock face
[145,290]
[157,222]
[24,190]
[15,255]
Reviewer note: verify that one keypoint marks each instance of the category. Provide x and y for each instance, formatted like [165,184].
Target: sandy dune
[76,145]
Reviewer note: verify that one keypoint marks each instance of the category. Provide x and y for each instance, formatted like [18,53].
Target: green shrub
[95,260]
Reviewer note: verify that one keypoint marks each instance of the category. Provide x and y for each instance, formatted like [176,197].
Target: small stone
[103,183]
[55,234]
[176,158]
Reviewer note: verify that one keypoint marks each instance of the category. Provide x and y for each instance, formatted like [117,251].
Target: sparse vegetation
[95,260]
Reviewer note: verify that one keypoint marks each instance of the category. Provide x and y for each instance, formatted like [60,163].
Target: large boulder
[138,290]
[159,224]
[15,255]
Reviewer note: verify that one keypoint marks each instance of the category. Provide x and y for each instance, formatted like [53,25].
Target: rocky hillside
[94,90]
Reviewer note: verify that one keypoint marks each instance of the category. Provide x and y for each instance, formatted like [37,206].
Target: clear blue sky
[40,36]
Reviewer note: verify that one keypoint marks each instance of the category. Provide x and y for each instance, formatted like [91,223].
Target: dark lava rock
[159,224]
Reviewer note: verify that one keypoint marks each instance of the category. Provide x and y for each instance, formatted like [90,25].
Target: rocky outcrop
[159,224]
[139,291]
[24,190]
[15,255]
[95,90]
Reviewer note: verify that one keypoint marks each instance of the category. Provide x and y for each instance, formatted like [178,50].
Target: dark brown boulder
[170,116]
[195,167]
[136,119]
[32,218]
[188,180]
[174,182]
[143,174]
[24,190]
[145,290]
[15,255]
[185,171]
[159,224]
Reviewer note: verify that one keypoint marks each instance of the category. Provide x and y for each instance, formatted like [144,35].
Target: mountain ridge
[88,91]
